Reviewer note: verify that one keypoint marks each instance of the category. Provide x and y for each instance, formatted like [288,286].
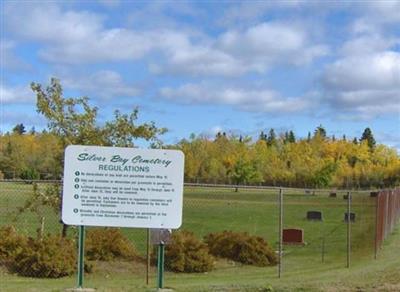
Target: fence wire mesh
[31,208]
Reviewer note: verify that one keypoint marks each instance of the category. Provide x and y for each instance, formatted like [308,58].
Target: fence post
[386,214]
[148,257]
[81,251]
[376,225]
[280,231]
[160,266]
[348,228]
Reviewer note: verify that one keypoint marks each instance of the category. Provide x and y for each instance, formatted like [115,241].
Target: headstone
[293,236]
[346,197]
[374,194]
[352,217]
[314,215]
[332,195]
[160,236]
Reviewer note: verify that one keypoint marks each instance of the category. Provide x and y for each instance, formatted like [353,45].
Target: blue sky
[207,66]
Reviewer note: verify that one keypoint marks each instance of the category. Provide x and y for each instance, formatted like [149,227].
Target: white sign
[122,187]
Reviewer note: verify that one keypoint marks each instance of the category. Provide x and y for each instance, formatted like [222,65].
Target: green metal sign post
[160,266]
[81,251]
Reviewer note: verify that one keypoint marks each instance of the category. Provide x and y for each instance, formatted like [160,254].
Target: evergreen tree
[367,136]
[19,129]
[262,136]
[292,137]
[286,137]
[271,140]
[320,131]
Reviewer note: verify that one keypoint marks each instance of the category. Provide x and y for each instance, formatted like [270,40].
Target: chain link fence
[320,228]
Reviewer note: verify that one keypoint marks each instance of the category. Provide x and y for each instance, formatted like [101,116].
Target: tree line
[275,159]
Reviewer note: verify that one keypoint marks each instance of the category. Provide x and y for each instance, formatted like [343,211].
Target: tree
[243,172]
[74,120]
[19,129]
[367,136]
[291,137]
[320,132]
[263,136]
[271,139]
[308,137]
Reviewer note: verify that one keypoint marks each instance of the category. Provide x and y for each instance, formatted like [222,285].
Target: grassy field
[254,211]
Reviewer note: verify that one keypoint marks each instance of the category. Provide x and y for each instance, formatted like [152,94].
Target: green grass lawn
[254,211]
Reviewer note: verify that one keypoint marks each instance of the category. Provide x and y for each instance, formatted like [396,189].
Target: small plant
[29,174]
[11,243]
[49,257]
[106,244]
[241,247]
[186,253]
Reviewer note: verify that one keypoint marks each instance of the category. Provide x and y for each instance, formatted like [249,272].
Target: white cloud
[367,85]
[104,84]
[47,23]
[375,71]
[16,95]
[248,100]
[268,43]
[76,37]
[81,37]
[235,53]
[367,44]
[376,16]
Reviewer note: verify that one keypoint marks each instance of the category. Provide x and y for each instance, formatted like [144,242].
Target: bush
[106,244]
[11,244]
[241,247]
[186,253]
[49,257]
[29,174]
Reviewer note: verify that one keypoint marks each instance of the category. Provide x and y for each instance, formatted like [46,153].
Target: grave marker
[293,236]
[374,194]
[346,197]
[352,217]
[314,215]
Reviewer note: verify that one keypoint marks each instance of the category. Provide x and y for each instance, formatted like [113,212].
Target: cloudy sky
[208,66]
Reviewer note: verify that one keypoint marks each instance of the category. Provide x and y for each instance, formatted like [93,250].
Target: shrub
[186,253]
[29,174]
[241,247]
[107,244]
[11,244]
[49,257]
